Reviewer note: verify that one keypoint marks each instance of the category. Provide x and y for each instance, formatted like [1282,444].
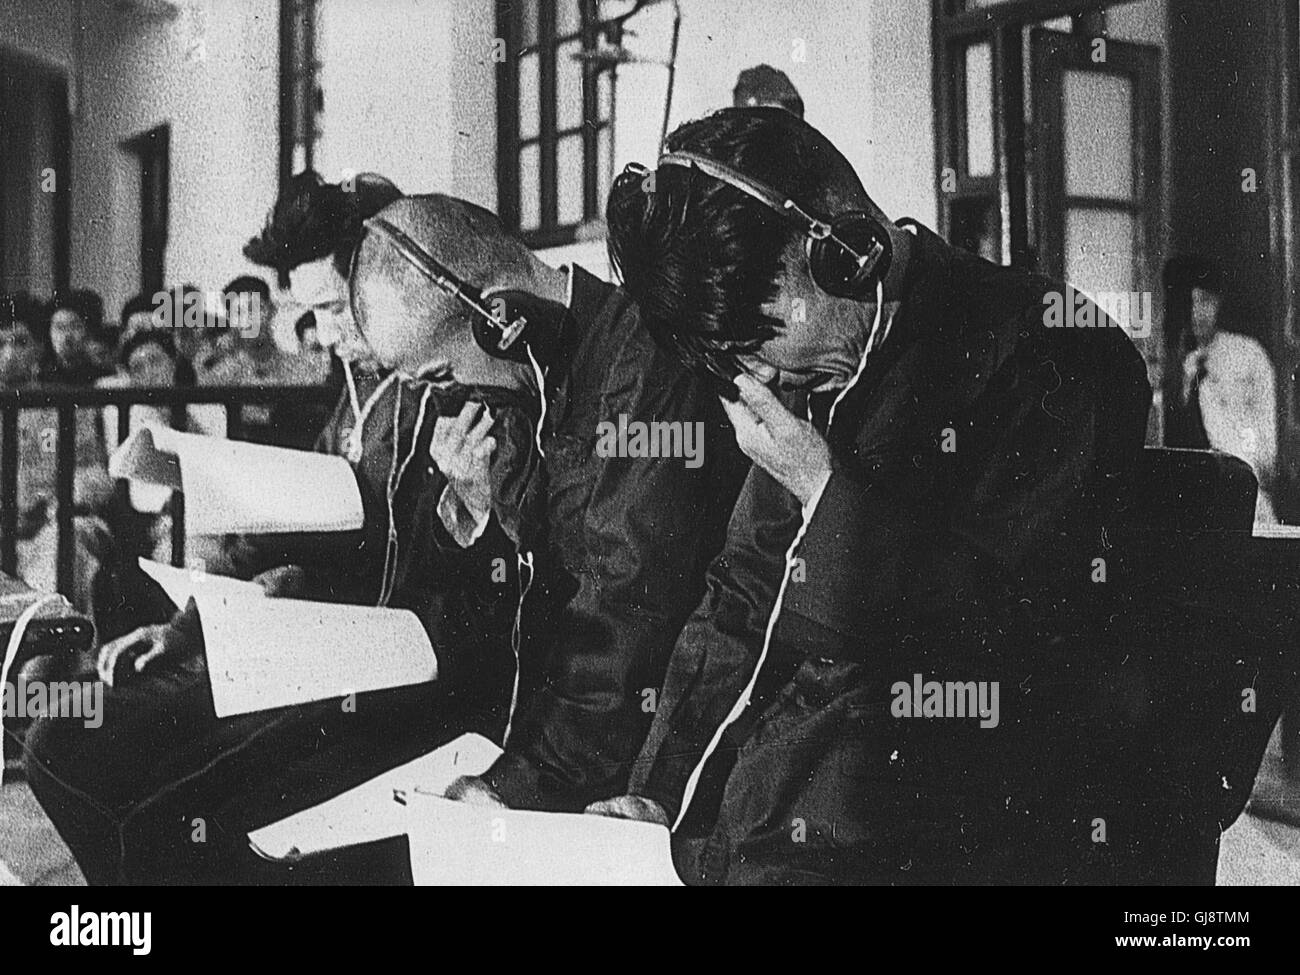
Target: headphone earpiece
[847,256]
[498,324]
[503,334]
[836,260]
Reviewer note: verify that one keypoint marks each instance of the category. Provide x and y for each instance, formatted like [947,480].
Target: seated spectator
[37,532]
[73,355]
[138,314]
[150,360]
[308,240]
[310,348]
[249,356]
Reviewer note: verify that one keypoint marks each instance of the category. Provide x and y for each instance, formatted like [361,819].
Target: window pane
[568,86]
[530,110]
[976,227]
[604,96]
[979,110]
[604,166]
[527,22]
[1098,135]
[568,17]
[1099,251]
[530,188]
[569,180]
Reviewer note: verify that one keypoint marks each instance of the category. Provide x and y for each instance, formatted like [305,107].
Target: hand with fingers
[131,654]
[776,440]
[474,791]
[462,450]
[639,808]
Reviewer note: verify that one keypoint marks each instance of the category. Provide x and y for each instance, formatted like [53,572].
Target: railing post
[178,528]
[9,489]
[65,471]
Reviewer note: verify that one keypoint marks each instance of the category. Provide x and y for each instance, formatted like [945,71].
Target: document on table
[369,812]
[455,843]
[267,653]
[232,486]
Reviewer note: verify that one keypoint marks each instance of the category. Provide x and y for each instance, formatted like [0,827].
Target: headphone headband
[767,195]
[817,230]
[444,278]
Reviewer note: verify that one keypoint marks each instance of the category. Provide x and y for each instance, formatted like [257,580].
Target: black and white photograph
[651,443]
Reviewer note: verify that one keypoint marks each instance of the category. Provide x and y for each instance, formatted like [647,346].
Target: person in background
[37,532]
[765,85]
[74,357]
[304,329]
[149,360]
[249,356]
[309,238]
[319,359]
[138,314]
[1227,399]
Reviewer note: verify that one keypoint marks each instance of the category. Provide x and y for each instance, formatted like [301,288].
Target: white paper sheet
[454,843]
[232,486]
[368,812]
[269,653]
[181,584]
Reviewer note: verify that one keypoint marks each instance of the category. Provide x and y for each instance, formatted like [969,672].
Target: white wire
[395,476]
[516,634]
[805,520]
[541,396]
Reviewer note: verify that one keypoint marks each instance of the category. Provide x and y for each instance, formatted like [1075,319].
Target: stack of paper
[264,652]
[232,486]
[374,810]
[458,843]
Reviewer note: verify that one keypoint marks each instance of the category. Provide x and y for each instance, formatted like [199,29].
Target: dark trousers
[826,786]
[164,792]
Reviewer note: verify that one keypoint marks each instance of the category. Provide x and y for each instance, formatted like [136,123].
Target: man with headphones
[927,454]
[626,539]
[127,797]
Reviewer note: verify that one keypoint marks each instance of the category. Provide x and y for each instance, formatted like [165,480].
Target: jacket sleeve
[633,533]
[719,647]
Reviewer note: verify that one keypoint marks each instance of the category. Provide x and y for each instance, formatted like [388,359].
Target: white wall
[410,93]
[212,74]
[40,30]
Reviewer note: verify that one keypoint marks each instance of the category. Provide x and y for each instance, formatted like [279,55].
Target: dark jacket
[912,537]
[467,599]
[629,540]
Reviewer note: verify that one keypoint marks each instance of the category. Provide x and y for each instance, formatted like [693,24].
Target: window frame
[300,72]
[549,232]
[953,29]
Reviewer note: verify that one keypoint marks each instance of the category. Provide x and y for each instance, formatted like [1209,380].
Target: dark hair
[136,305]
[247,284]
[1189,271]
[312,219]
[183,372]
[700,256]
[88,305]
[304,321]
[19,306]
